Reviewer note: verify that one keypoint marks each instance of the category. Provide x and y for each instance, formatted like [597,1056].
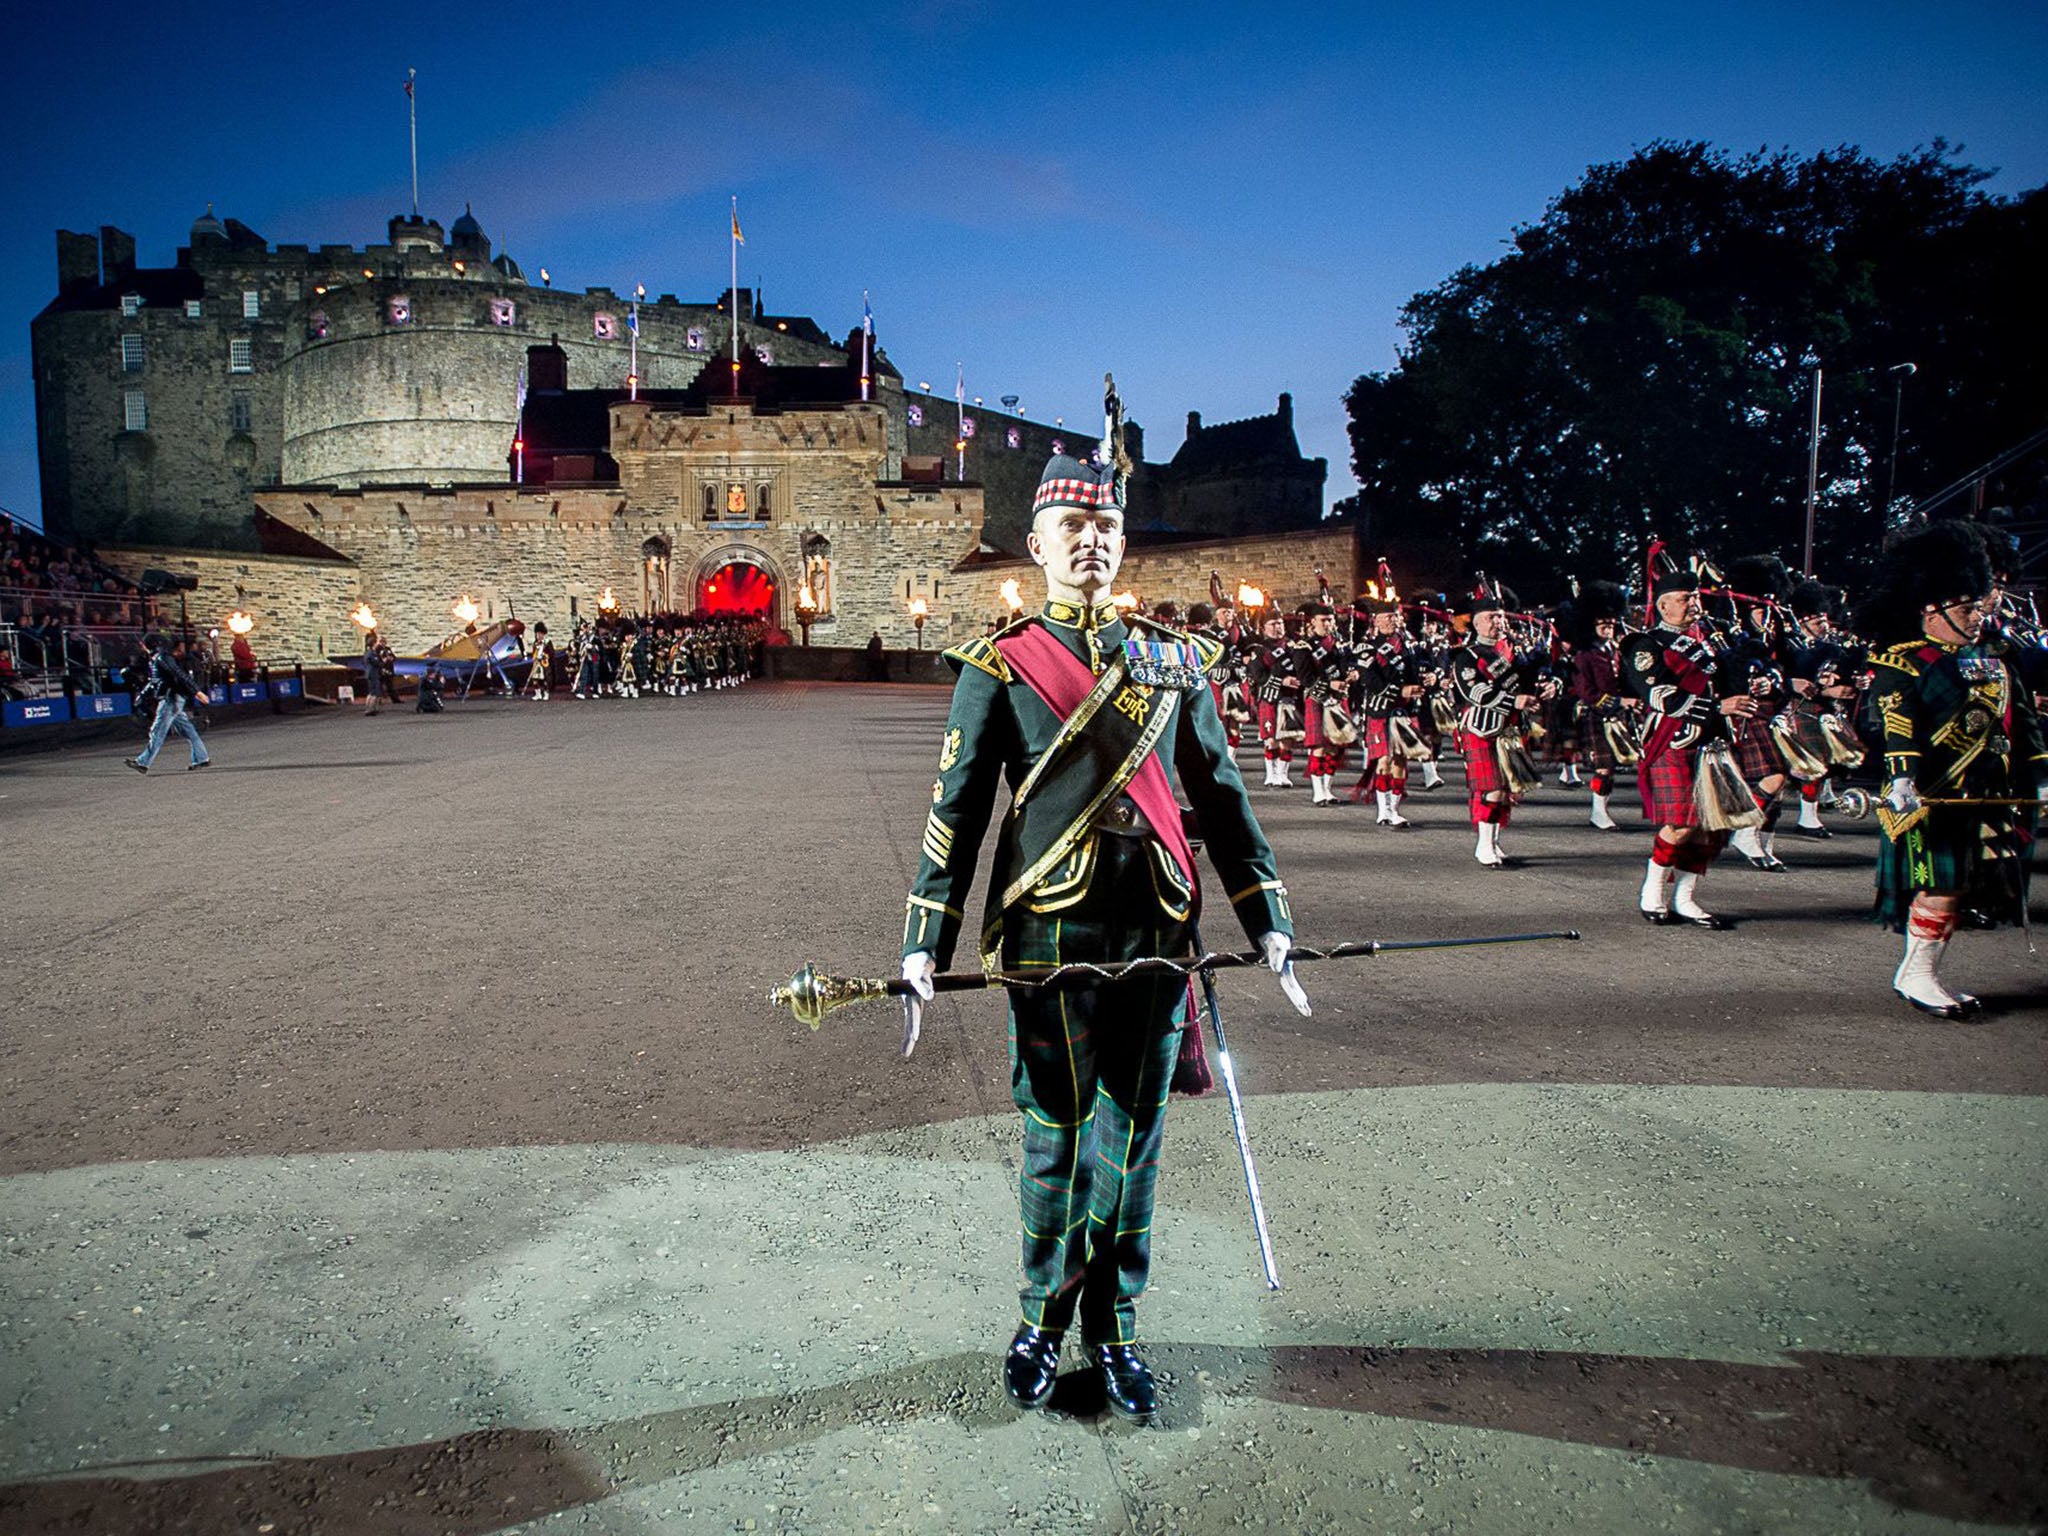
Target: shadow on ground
[1955,1438]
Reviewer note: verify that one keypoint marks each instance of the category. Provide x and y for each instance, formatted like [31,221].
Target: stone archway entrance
[739,579]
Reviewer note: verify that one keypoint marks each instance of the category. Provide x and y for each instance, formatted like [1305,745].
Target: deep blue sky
[1218,203]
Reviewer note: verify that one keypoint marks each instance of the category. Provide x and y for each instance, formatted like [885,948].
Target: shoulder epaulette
[980,653]
[1904,657]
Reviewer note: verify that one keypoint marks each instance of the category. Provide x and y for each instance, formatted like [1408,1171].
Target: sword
[811,994]
[1244,1144]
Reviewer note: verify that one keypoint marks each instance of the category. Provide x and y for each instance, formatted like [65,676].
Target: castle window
[239,413]
[693,338]
[399,310]
[1014,436]
[762,495]
[501,311]
[191,309]
[131,354]
[252,304]
[291,290]
[134,411]
[967,426]
[241,355]
[915,413]
[316,325]
[604,327]
[710,502]
[766,355]
[131,305]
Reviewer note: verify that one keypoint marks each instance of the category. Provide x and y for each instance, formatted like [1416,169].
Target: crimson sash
[1062,681]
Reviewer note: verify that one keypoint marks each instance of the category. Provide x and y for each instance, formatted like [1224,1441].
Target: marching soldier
[1821,687]
[540,675]
[1958,727]
[1393,687]
[1491,693]
[1329,670]
[1089,718]
[1761,589]
[1273,673]
[1603,709]
[1672,669]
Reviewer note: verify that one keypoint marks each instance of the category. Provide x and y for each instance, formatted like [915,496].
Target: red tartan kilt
[1593,740]
[1314,737]
[1755,753]
[1269,721]
[1482,763]
[1375,739]
[1666,785]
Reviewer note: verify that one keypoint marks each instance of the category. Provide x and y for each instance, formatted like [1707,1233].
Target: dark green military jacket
[997,731]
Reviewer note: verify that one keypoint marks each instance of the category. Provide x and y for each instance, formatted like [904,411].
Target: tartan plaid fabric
[1482,763]
[1593,741]
[1666,785]
[1375,737]
[1953,849]
[1070,492]
[1091,1071]
[1756,755]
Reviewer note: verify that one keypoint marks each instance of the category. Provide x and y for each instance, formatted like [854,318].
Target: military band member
[1092,864]
[1392,679]
[1757,660]
[1273,673]
[1672,668]
[1329,671]
[540,676]
[1957,726]
[1491,693]
[1821,686]
[1596,691]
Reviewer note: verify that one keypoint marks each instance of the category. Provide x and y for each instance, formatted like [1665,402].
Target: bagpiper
[539,675]
[1759,658]
[1487,682]
[1691,791]
[1965,763]
[1329,670]
[1391,673]
[1604,713]
[1273,672]
[1822,688]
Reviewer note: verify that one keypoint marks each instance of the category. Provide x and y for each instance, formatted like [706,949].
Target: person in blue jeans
[175,691]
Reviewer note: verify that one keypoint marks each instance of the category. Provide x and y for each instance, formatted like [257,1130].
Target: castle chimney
[78,261]
[1194,422]
[1286,408]
[117,254]
[547,367]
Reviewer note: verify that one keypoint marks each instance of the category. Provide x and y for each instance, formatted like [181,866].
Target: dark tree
[1640,362]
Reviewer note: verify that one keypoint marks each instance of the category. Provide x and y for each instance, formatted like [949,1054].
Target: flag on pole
[867,342]
[737,236]
[408,83]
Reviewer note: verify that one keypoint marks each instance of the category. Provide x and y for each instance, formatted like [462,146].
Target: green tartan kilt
[1090,1070]
[1953,849]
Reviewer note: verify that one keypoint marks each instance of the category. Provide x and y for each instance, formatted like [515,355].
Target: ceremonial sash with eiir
[1125,723]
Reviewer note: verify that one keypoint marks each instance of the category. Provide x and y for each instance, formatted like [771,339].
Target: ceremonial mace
[810,996]
[1856,804]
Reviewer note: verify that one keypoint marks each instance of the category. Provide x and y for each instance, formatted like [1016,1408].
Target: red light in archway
[739,589]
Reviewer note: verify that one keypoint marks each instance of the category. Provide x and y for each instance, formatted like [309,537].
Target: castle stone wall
[301,607]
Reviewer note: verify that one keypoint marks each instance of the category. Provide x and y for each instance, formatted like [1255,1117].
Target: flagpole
[960,420]
[633,327]
[412,107]
[867,335]
[735,296]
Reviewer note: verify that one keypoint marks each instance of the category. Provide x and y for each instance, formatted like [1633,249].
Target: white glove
[1274,946]
[1902,795]
[918,970]
[2041,791]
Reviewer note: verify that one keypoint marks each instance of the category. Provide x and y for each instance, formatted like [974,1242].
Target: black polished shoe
[1706,920]
[1663,919]
[1814,834]
[1127,1382]
[1031,1366]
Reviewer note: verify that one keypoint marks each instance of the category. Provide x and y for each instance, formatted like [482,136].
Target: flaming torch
[919,612]
[239,623]
[1013,597]
[606,603]
[1126,602]
[466,609]
[806,610]
[365,617]
[1251,600]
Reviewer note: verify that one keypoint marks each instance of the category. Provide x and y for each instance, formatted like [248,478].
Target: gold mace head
[810,996]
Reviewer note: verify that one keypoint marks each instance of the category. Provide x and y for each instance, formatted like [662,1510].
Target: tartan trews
[1090,1070]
